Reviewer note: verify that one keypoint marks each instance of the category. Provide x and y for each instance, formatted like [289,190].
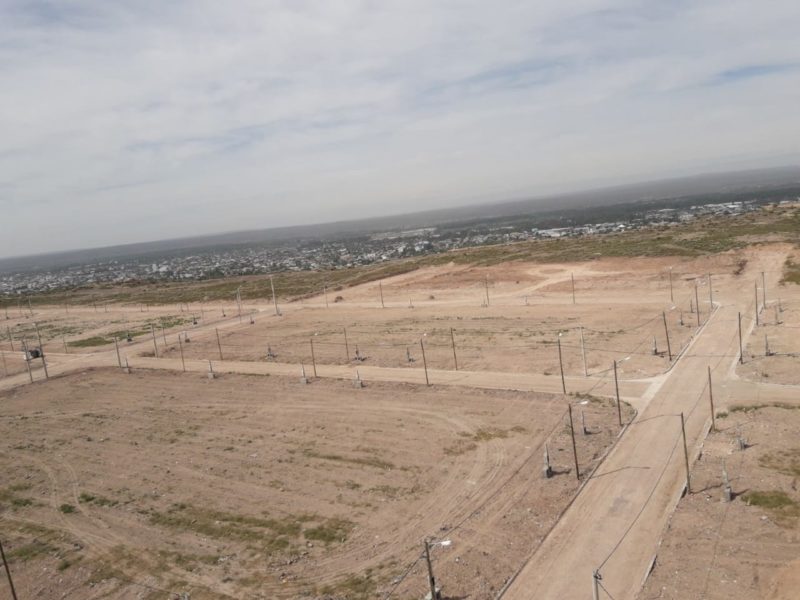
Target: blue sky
[131,121]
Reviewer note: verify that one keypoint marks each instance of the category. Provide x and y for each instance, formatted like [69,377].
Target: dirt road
[615,523]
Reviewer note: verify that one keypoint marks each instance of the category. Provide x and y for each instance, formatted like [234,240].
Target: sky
[134,121]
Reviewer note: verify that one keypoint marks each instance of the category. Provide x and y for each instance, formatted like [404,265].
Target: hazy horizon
[141,121]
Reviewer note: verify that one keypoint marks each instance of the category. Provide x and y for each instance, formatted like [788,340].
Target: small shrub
[66,508]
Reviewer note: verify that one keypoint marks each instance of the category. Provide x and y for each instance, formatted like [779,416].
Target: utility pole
[741,353]
[561,366]
[346,345]
[274,299]
[574,447]
[453,341]
[10,338]
[27,359]
[380,287]
[64,341]
[313,358]
[756,286]
[164,334]
[8,573]
[696,303]
[686,456]
[666,333]
[431,578]
[5,368]
[239,301]
[764,290]
[596,585]
[41,351]
[711,401]
[583,355]
[180,345]
[616,389]
[155,346]
[486,285]
[671,297]
[325,291]
[424,362]
[116,347]
[572,276]
[219,344]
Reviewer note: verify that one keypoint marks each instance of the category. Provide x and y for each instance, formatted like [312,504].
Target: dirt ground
[142,485]
[748,548]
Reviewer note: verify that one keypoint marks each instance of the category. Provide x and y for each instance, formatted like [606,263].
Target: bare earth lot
[125,486]
[748,548]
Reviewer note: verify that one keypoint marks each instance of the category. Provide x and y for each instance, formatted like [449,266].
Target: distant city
[302,255]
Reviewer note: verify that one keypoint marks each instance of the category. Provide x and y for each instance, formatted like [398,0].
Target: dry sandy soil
[155,483]
[125,486]
[748,548]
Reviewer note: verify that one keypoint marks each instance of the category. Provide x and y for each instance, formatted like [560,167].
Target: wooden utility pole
[561,366]
[41,351]
[666,333]
[711,401]
[116,347]
[180,345]
[274,299]
[486,285]
[583,355]
[346,345]
[380,287]
[686,456]
[8,573]
[219,344]
[696,303]
[64,341]
[453,342]
[431,578]
[595,585]
[741,353]
[164,334]
[574,447]
[424,362]
[239,302]
[313,357]
[616,389]
[572,276]
[155,346]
